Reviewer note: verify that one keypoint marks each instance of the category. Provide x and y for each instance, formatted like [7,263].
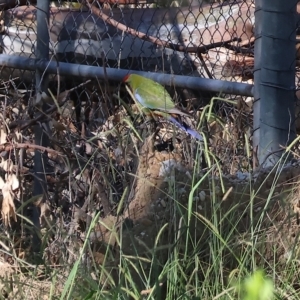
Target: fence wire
[99,156]
[207,40]
[192,40]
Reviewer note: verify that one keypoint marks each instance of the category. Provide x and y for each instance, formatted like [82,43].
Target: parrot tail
[195,134]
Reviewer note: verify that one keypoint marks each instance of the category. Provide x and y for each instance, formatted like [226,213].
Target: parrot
[153,96]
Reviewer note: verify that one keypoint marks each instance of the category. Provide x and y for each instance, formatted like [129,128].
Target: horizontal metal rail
[84,71]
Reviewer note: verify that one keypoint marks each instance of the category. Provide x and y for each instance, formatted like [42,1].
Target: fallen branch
[10,146]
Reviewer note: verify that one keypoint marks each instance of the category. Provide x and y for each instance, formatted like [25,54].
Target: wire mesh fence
[209,40]
[102,155]
[197,40]
[93,144]
[205,40]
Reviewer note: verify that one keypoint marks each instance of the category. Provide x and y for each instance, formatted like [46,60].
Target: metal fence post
[256,93]
[277,79]
[40,159]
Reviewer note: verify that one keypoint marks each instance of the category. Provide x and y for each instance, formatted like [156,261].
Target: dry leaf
[18,137]
[13,181]
[1,183]
[10,184]
[3,134]
[8,207]
[7,165]
[88,149]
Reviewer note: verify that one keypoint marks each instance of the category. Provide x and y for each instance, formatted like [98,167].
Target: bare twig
[149,38]
[205,66]
[11,146]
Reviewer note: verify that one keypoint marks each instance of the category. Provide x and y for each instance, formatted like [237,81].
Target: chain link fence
[197,40]
[92,140]
[207,40]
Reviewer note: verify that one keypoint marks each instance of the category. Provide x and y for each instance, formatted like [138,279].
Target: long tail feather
[195,134]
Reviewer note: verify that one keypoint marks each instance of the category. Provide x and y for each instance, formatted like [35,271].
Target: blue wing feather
[195,134]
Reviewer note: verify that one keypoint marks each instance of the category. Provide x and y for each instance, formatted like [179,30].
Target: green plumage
[155,100]
[151,94]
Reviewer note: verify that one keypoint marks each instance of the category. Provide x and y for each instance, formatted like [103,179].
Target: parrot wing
[160,100]
[157,98]
[195,134]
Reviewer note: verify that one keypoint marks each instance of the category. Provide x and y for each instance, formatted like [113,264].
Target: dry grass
[152,196]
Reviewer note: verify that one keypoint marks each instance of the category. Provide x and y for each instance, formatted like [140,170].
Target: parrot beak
[125,79]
